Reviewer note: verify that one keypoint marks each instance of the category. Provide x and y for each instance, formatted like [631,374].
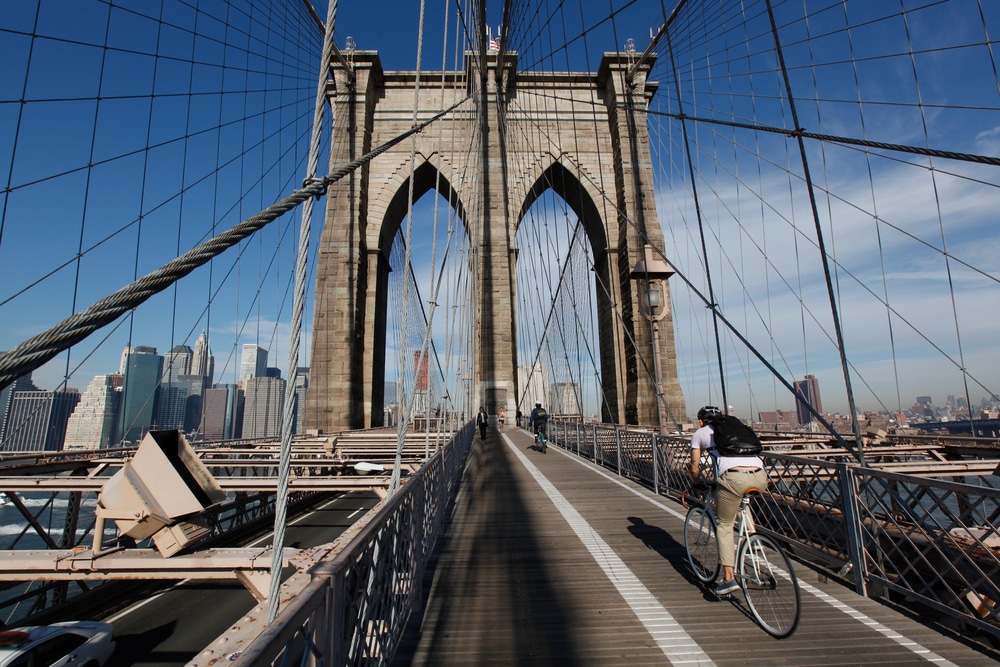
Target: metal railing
[354,608]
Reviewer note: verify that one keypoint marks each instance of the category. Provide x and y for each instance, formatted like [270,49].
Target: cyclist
[539,419]
[733,475]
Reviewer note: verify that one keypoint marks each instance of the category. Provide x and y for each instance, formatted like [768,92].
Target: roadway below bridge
[171,626]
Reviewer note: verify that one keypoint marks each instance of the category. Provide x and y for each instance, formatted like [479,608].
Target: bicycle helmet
[708,413]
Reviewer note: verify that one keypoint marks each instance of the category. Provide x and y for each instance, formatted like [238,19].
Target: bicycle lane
[637,539]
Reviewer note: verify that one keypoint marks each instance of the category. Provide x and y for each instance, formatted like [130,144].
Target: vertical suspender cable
[404,417]
[819,239]
[284,465]
[701,225]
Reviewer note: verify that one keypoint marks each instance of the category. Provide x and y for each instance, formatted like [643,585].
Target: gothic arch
[578,196]
[426,177]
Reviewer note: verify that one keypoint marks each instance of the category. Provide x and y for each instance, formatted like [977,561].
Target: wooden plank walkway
[550,560]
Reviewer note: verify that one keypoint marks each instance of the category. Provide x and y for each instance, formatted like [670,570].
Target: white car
[77,643]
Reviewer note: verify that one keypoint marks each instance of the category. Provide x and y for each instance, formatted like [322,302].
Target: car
[78,643]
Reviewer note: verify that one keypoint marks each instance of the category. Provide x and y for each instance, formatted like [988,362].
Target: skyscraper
[253,362]
[171,403]
[176,362]
[533,382]
[301,387]
[37,420]
[422,384]
[264,398]
[22,383]
[143,368]
[566,399]
[809,389]
[94,422]
[202,361]
[222,418]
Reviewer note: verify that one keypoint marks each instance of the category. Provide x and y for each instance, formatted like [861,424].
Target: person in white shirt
[733,475]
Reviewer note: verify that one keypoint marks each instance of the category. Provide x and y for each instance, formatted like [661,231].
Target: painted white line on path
[673,640]
[840,605]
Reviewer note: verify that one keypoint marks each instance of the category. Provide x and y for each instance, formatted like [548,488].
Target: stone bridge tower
[604,173]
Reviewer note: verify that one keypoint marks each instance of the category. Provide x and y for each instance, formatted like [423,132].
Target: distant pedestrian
[482,421]
[501,417]
[519,418]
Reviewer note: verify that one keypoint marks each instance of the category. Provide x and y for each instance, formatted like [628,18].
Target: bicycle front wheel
[769,584]
[702,547]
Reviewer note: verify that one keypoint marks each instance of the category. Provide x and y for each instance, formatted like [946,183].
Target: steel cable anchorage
[36,351]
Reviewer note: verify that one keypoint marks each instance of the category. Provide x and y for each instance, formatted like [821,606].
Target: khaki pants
[728,495]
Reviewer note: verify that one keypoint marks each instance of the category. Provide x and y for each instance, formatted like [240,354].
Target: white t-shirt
[704,438]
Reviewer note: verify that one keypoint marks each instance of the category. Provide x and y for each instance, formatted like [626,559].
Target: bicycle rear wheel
[702,547]
[769,584]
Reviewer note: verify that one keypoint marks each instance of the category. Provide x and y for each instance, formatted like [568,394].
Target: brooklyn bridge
[263,262]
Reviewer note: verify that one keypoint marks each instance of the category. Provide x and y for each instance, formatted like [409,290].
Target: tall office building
[253,362]
[142,369]
[533,382]
[421,384]
[171,403]
[37,420]
[263,400]
[195,385]
[22,383]
[176,362]
[222,414]
[202,361]
[301,387]
[809,389]
[94,422]
[565,399]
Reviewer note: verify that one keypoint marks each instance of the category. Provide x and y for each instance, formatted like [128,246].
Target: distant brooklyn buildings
[808,389]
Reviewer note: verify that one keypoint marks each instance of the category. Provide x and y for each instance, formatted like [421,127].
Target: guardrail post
[852,526]
[335,642]
[618,447]
[656,467]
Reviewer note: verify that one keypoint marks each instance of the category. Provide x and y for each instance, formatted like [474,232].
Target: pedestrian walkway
[551,560]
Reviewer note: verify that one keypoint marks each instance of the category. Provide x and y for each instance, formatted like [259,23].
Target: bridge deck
[551,560]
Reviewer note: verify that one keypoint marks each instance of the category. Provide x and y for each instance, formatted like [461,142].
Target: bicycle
[762,570]
[541,441]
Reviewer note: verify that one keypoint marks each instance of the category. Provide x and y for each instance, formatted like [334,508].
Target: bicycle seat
[753,491]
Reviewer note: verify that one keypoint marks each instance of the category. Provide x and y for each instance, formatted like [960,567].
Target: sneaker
[727,588]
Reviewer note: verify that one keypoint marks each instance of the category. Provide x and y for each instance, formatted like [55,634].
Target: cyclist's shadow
[670,550]
[675,553]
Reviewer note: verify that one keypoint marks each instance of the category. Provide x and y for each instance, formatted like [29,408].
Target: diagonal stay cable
[39,349]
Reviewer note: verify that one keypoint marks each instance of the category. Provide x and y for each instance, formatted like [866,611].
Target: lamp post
[651,274]
[466,380]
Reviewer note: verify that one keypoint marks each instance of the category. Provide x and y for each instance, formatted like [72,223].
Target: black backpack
[734,438]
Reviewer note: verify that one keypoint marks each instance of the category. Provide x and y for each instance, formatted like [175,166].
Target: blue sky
[924,78]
